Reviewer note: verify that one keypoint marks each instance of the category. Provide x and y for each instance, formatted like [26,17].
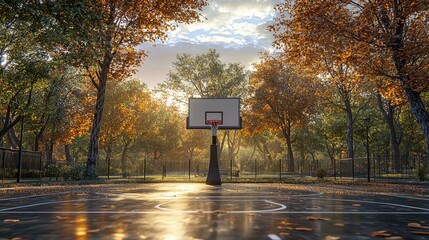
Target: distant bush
[30,173]
[52,170]
[66,171]
[78,172]
[321,173]
[422,173]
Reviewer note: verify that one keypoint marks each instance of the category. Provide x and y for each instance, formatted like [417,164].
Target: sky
[237,29]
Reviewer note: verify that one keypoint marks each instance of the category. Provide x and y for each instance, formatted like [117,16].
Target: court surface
[199,211]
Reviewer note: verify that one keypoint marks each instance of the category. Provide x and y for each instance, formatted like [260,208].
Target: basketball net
[214,124]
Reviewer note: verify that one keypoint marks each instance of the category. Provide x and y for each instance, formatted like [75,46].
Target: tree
[123,25]
[165,135]
[22,64]
[128,118]
[204,76]
[284,100]
[387,38]
[388,109]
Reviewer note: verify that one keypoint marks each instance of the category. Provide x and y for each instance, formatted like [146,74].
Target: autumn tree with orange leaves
[122,27]
[386,39]
[128,118]
[283,100]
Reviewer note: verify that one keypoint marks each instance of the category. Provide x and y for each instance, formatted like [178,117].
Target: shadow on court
[199,211]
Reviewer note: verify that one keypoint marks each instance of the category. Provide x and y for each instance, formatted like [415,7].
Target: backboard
[201,111]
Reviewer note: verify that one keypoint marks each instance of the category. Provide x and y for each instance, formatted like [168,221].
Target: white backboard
[201,108]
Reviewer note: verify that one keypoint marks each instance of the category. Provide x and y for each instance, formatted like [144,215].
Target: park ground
[118,210]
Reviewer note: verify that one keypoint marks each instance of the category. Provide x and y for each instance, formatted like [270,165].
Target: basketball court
[200,211]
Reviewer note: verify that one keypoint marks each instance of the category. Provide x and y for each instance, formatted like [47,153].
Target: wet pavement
[198,211]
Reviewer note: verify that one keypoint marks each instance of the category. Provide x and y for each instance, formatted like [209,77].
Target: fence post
[40,166]
[3,164]
[20,152]
[144,169]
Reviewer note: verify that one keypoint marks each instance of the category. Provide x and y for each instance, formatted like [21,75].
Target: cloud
[236,29]
[239,18]
[159,62]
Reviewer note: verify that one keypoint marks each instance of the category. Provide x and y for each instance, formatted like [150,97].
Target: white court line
[282,207]
[227,212]
[219,197]
[377,193]
[405,196]
[44,203]
[273,237]
[372,202]
[34,196]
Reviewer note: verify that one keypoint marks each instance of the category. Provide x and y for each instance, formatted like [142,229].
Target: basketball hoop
[214,122]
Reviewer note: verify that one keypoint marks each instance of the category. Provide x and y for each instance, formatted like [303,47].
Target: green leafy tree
[204,76]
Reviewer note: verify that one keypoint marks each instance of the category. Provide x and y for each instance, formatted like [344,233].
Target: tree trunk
[39,135]
[420,113]
[389,117]
[108,151]
[350,152]
[96,122]
[69,158]
[124,159]
[302,153]
[287,134]
[12,139]
[95,133]
[50,152]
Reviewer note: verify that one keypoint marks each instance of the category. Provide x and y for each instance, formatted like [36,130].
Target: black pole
[255,169]
[230,169]
[213,176]
[144,169]
[108,168]
[20,152]
[335,170]
[367,153]
[189,169]
[3,165]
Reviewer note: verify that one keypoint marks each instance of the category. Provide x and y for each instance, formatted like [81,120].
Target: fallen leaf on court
[221,211]
[382,233]
[417,225]
[311,218]
[93,230]
[285,222]
[394,238]
[251,214]
[331,238]
[420,233]
[303,229]
[284,234]
[339,224]
[61,218]
[357,205]
[11,220]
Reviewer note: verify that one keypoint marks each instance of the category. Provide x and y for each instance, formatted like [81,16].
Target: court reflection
[212,218]
[72,224]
